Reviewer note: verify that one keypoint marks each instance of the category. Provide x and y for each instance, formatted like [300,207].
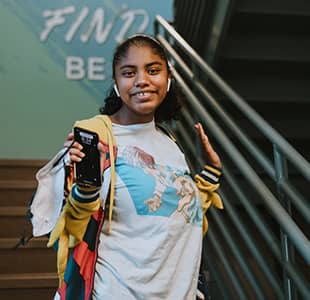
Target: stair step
[269,23]
[296,7]
[19,169]
[268,86]
[15,197]
[28,280]
[10,243]
[28,286]
[287,123]
[25,259]
[12,221]
[17,184]
[16,192]
[13,211]
[28,293]
[267,47]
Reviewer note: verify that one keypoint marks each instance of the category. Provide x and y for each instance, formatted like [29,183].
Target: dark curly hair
[171,105]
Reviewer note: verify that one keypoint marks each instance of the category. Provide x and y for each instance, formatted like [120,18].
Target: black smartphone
[88,172]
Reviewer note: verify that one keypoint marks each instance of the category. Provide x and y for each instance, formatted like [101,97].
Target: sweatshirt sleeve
[72,223]
[81,204]
[207,182]
[48,198]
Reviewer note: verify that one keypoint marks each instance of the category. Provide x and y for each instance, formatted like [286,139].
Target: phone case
[88,171]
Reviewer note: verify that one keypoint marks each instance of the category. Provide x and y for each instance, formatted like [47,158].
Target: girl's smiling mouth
[142,94]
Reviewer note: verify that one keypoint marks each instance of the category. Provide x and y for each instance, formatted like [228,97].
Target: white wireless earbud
[116,90]
[168,84]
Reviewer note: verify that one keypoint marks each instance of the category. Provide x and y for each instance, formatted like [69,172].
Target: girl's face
[141,77]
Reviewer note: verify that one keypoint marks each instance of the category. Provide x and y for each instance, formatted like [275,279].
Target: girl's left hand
[211,155]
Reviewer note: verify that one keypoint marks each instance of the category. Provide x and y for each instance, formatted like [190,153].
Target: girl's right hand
[75,152]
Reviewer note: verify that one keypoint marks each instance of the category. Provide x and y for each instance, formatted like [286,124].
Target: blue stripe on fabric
[91,233]
[80,196]
[75,282]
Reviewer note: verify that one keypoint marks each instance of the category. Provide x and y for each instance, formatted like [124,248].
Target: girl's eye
[128,73]
[153,71]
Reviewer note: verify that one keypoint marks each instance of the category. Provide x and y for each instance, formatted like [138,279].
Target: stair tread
[19,169]
[17,184]
[22,163]
[264,85]
[296,7]
[9,243]
[13,211]
[24,260]
[28,276]
[28,280]
[267,47]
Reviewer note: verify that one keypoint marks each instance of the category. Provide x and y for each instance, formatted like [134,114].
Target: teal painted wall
[41,92]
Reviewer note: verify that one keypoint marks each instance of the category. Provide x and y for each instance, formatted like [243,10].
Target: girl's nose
[141,80]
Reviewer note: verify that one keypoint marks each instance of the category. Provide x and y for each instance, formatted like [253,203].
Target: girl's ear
[116,90]
[168,84]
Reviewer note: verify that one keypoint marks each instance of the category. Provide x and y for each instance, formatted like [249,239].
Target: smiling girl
[150,246]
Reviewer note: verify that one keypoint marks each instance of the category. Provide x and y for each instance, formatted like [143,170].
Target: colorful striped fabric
[79,275]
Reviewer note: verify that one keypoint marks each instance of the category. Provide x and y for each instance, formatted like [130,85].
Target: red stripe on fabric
[107,162]
[105,146]
[91,283]
[85,258]
[96,215]
[62,291]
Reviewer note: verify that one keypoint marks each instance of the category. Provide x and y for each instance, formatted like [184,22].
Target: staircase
[265,57]
[263,53]
[28,272]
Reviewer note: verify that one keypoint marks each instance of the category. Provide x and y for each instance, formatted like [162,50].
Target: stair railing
[290,278]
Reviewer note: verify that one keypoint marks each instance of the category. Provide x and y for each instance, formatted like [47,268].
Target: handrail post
[281,173]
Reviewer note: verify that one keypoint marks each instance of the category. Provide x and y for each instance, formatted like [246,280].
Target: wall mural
[55,61]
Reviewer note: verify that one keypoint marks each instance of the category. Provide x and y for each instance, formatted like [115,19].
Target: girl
[149,247]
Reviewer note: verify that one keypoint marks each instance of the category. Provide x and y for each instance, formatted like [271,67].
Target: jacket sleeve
[207,182]
[82,202]
[72,223]
[47,200]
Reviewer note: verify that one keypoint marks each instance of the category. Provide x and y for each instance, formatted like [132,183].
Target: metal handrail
[235,249]
[235,280]
[262,159]
[270,133]
[283,218]
[300,241]
[283,152]
[297,278]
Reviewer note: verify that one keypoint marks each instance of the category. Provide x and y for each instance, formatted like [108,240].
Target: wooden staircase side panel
[28,272]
